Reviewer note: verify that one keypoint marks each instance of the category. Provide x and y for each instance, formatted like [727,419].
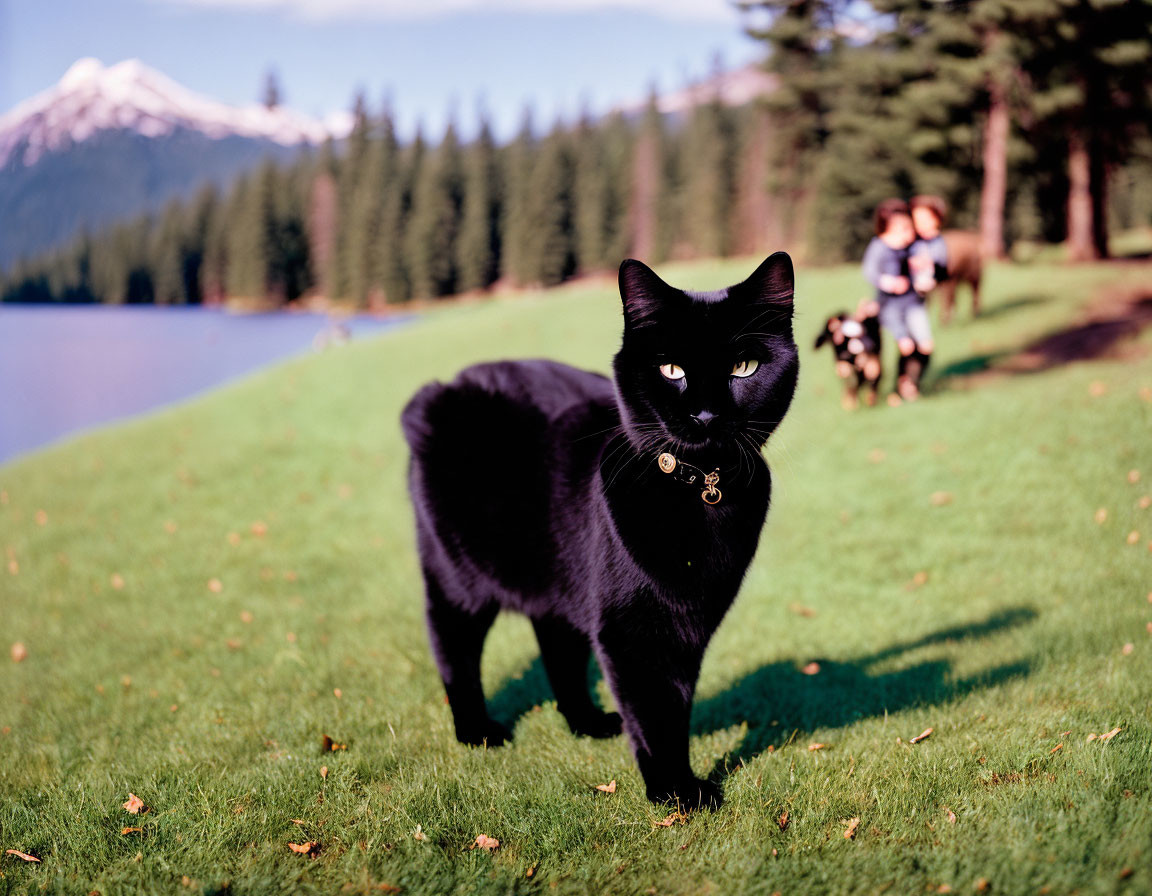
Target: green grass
[1007,643]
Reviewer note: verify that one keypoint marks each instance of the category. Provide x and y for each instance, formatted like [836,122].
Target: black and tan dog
[855,341]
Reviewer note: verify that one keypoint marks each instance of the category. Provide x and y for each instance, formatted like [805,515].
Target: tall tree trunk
[1080,244]
[322,217]
[646,164]
[1098,188]
[995,186]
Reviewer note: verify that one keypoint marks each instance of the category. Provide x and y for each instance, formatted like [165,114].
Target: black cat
[620,518]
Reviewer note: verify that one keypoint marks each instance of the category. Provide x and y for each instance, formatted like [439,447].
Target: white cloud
[700,10]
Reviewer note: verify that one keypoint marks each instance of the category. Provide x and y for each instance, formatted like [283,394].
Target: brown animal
[965,265]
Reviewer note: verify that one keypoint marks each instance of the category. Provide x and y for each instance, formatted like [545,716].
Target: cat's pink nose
[704,417]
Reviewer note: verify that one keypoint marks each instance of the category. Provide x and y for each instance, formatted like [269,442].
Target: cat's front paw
[692,795]
[487,733]
[603,724]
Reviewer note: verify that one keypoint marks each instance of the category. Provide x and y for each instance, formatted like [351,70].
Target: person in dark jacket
[902,311]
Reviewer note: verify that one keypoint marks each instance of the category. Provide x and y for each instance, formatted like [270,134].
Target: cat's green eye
[745,368]
[672,371]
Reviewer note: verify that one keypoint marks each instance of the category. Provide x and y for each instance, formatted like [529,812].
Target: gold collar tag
[690,475]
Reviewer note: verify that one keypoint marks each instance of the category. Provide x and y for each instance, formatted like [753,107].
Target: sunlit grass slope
[206,593]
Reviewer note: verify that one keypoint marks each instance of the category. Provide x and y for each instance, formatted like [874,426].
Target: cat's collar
[682,471]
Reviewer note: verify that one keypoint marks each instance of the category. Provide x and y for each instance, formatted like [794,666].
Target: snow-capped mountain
[108,143]
[91,98]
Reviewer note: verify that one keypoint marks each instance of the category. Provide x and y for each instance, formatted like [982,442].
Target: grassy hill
[206,593]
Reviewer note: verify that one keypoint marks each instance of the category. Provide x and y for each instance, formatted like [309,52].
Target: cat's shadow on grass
[780,701]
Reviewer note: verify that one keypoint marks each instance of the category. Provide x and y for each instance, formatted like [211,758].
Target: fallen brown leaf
[1101,515]
[324,772]
[419,835]
[117,581]
[1059,746]
[41,518]
[1133,537]
[951,815]
[246,616]
[1133,476]
[919,579]
[850,831]
[531,869]
[940,499]
[483,841]
[812,668]
[801,610]
[813,747]
[21,855]
[923,735]
[876,456]
[982,885]
[327,745]
[1096,388]
[307,848]
[134,804]
[19,652]
[1111,734]
[1145,502]
[259,529]
[610,787]
[337,693]
[215,586]
[233,538]
[125,831]
[782,821]
[1127,648]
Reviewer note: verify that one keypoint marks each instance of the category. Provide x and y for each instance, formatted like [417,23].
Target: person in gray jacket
[902,311]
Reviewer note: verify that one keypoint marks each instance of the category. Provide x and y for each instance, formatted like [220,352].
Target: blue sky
[429,55]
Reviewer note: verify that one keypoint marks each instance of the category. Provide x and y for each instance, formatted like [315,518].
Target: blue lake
[64,369]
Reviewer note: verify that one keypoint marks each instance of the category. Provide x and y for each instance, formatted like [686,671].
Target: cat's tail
[414,419]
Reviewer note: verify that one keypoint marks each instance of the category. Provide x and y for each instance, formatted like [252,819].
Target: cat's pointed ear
[641,291]
[773,283]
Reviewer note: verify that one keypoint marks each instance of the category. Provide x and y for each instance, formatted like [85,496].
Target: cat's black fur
[536,488]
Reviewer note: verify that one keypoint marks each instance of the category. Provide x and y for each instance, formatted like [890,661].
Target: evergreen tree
[549,211]
[592,197]
[291,264]
[757,227]
[322,220]
[435,220]
[201,219]
[478,249]
[350,174]
[272,97]
[519,159]
[710,145]
[652,201]
[393,275]
[167,257]
[1087,62]
[367,202]
[617,146]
